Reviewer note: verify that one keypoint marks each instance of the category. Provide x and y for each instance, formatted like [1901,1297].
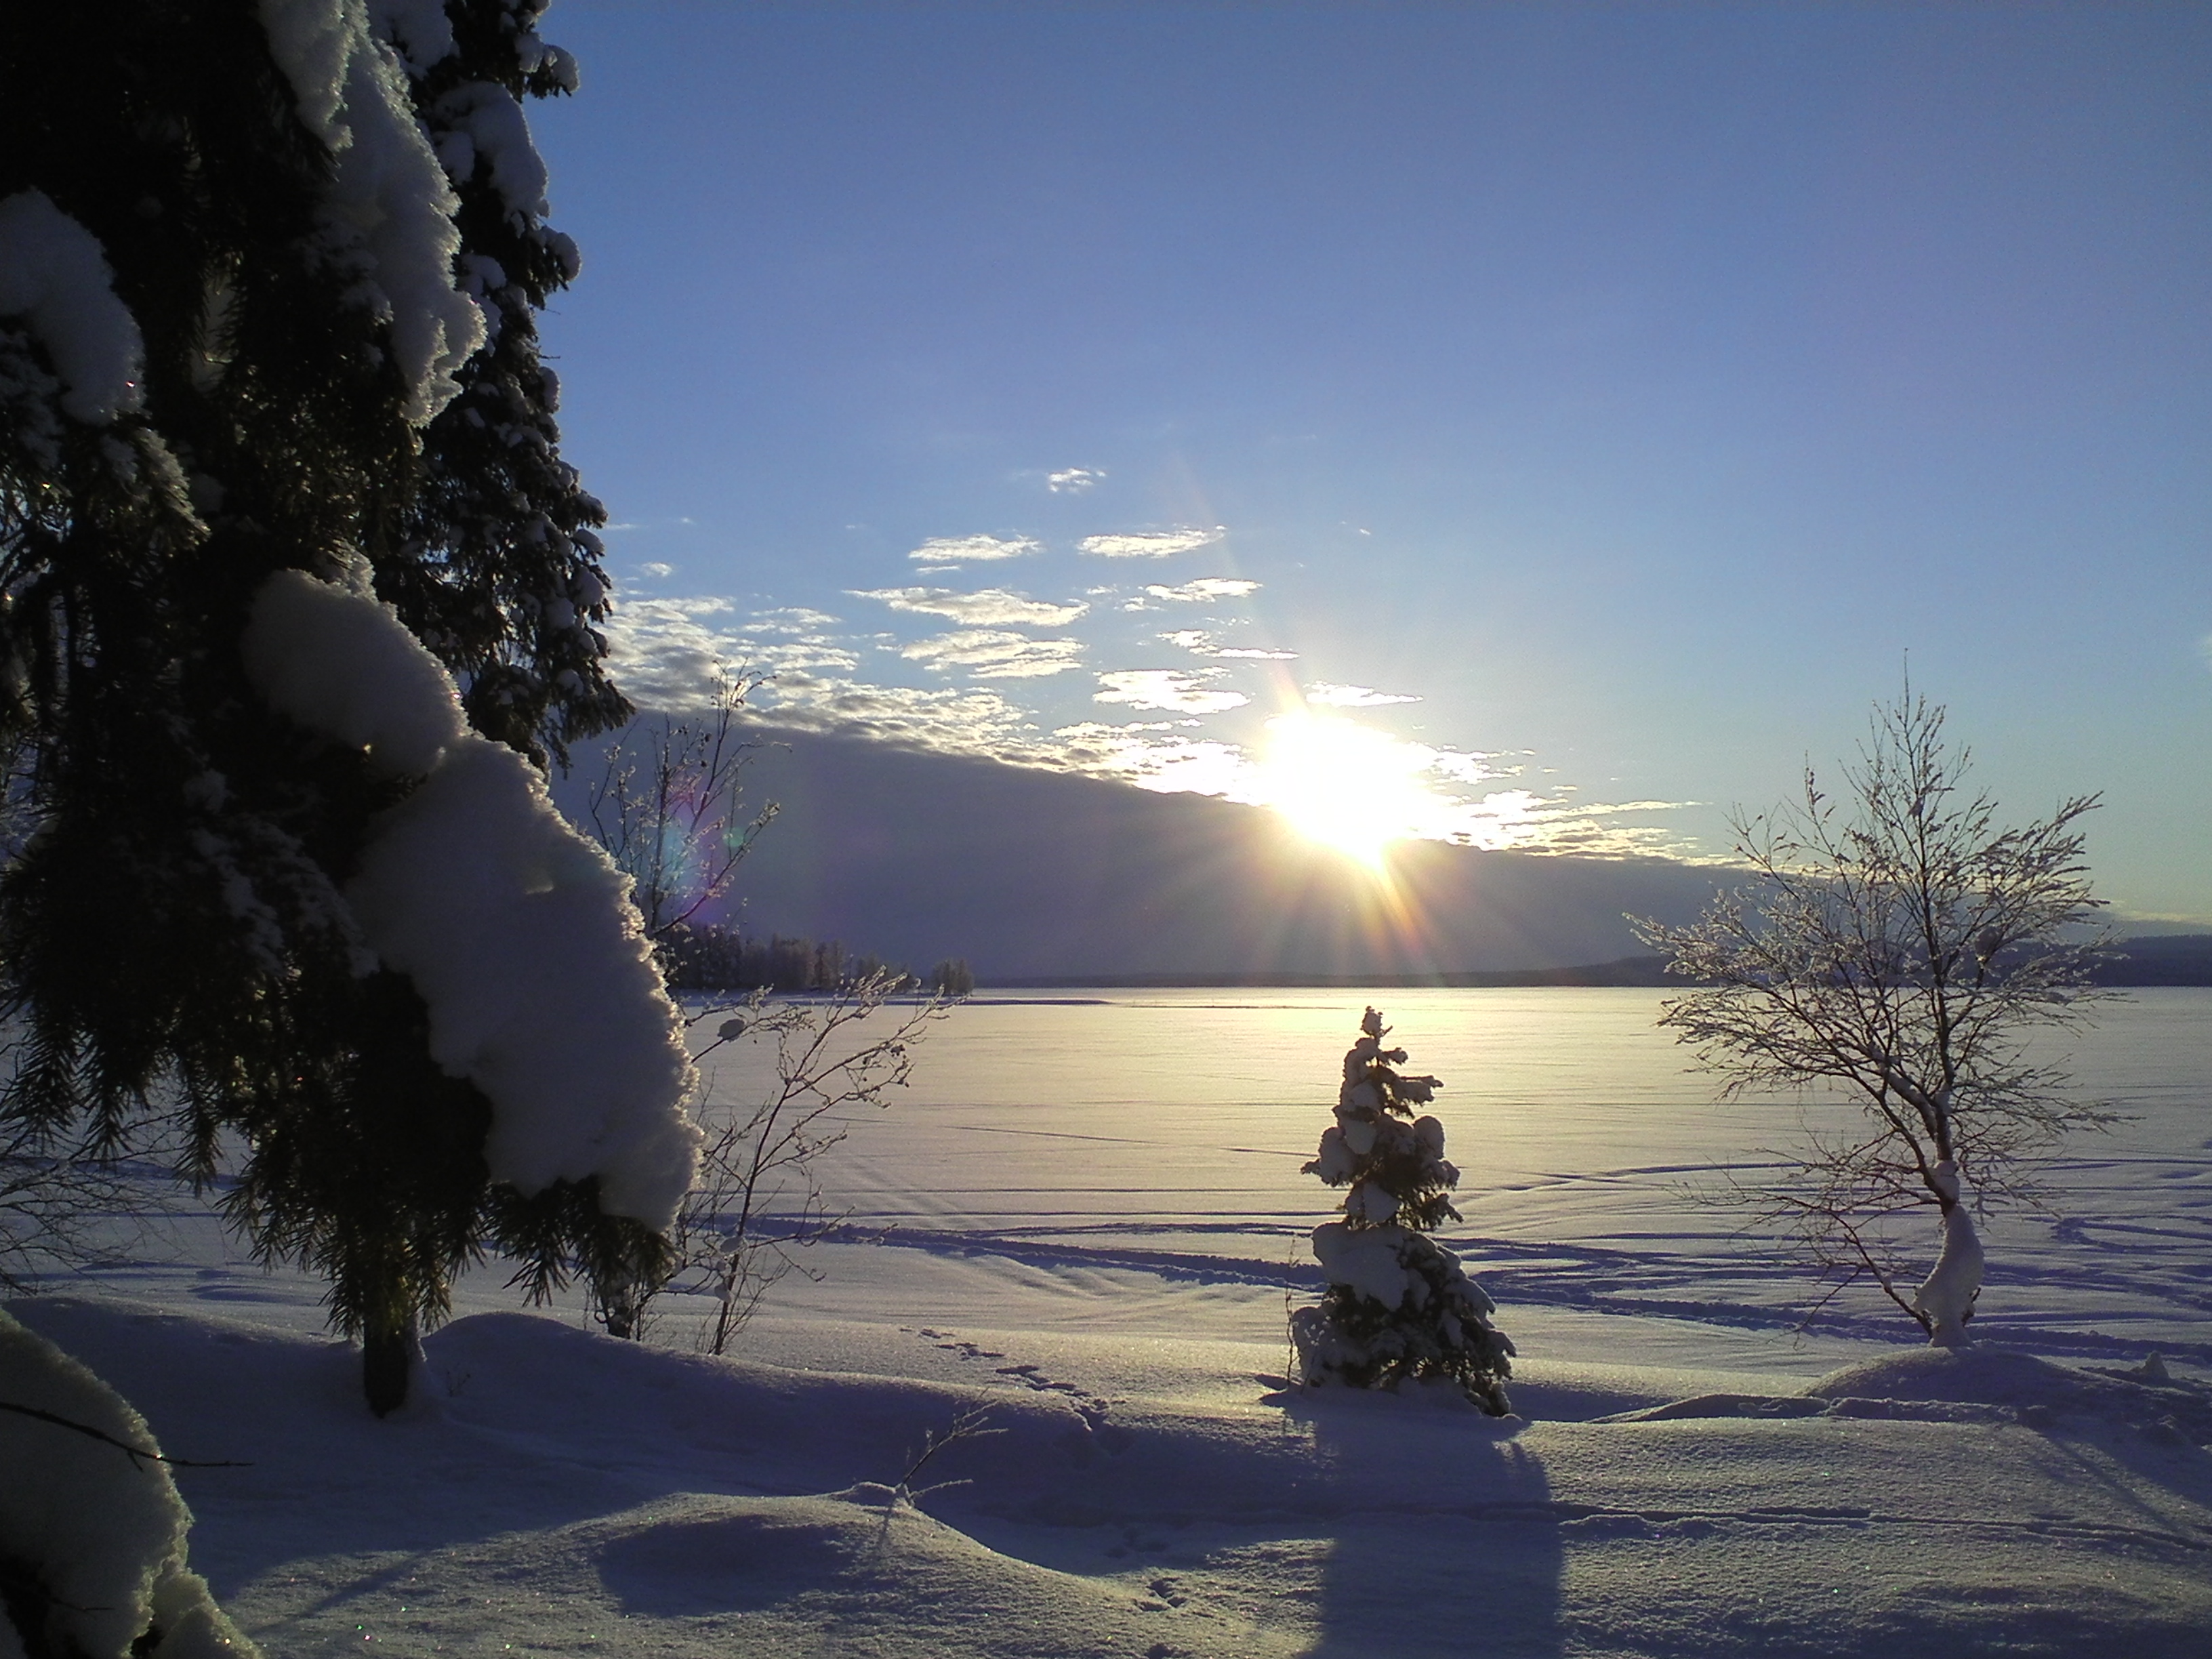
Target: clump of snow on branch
[389,213]
[1399,1305]
[419,31]
[91,1534]
[486,120]
[517,931]
[55,276]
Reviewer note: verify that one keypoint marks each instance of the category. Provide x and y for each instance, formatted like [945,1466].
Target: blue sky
[1625,390]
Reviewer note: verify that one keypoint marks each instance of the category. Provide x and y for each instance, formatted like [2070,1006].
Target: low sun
[1343,785]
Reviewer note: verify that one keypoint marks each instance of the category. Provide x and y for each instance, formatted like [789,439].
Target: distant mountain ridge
[1040,878]
[2155,960]
[2160,959]
[1034,876]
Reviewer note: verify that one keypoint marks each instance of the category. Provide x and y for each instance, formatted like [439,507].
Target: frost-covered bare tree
[63,1207]
[1901,945]
[669,807]
[759,1200]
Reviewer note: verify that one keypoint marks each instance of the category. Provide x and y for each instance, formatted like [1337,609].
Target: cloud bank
[805,667]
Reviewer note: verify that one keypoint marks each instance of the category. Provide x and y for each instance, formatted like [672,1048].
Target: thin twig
[134,1453]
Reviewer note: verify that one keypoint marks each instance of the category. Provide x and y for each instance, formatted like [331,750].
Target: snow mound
[825,1574]
[2037,1390]
[1969,1385]
[1983,1376]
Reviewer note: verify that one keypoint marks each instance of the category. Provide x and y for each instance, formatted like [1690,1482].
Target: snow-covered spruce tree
[1399,1305]
[279,891]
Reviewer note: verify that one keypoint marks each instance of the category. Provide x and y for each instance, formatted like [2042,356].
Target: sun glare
[1344,785]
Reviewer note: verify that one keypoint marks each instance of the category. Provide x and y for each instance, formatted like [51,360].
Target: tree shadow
[1450,1543]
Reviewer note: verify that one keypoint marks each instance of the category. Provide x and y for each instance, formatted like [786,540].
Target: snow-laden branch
[517,931]
[388,212]
[54,276]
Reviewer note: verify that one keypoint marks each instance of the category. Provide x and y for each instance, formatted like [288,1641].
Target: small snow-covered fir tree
[1399,1305]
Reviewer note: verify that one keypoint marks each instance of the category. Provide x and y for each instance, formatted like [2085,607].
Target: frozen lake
[1099,1138]
[1126,1165]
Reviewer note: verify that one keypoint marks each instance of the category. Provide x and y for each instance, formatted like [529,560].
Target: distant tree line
[706,956]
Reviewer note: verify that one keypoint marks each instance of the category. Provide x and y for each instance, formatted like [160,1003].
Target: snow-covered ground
[1082,1225]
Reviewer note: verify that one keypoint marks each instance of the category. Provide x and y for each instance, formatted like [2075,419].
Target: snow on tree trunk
[1946,1298]
[92,1539]
[1399,1305]
[517,931]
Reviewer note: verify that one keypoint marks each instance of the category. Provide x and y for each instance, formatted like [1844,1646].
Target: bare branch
[759,1200]
[137,1454]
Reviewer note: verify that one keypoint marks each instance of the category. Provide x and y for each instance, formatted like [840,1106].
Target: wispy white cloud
[1074,481]
[2204,649]
[1330,696]
[1198,640]
[797,620]
[1170,688]
[989,653]
[1204,591]
[993,607]
[948,550]
[655,569]
[1204,642]
[1151,544]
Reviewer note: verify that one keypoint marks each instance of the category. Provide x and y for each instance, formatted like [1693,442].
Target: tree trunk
[1945,1300]
[621,1307]
[387,1362]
